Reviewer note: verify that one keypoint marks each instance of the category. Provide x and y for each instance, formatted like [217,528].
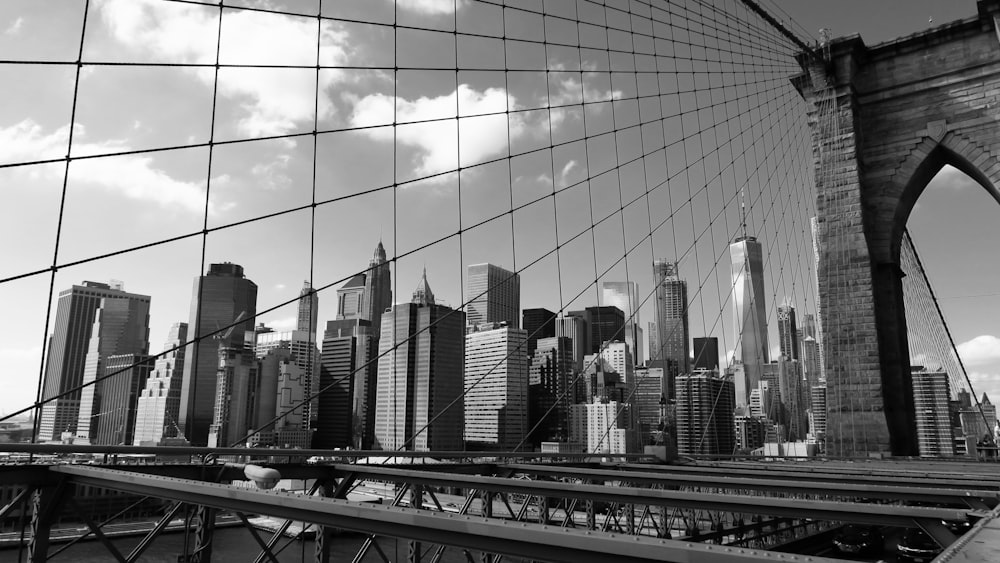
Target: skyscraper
[550,378]
[538,323]
[304,353]
[496,387]
[788,335]
[418,404]
[705,424]
[604,324]
[121,326]
[220,297]
[281,388]
[159,402]
[749,313]
[673,346]
[308,311]
[113,418]
[575,329]
[124,330]
[234,402]
[706,353]
[625,296]
[930,400]
[493,295]
[347,378]
[378,289]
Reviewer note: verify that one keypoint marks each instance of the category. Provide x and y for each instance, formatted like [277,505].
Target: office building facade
[159,402]
[706,353]
[419,399]
[788,331]
[125,330]
[538,323]
[493,295]
[625,296]
[219,298]
[749,311]
[496,387]
[673,346]
[930,401]
[705,424]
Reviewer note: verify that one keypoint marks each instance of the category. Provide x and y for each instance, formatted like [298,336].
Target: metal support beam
[475,533]
[736,481]
[859,513]
[204,533]
[256,537]
[45,504]
[95,529]
[18,499]
[147,541]
[324,534]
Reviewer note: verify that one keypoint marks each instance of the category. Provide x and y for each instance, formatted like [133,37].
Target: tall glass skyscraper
[749,313]
[493,295]
[496,387]
[122,321]
[625,296]
[419,398]
[673,348]
[788,336]
[219,297]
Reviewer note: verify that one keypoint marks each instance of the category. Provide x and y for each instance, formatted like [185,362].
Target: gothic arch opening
[947,252]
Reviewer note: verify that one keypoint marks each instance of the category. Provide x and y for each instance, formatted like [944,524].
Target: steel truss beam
[860,513]
[972,498]
[539,542]
[920,479]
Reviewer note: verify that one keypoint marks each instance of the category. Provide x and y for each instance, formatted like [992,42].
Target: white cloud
[983,349]
[432,7]
[272,175]
[569,91]
[133,176]
[984,382]
[437,142]
[564,173]
[15,27]
[274,100]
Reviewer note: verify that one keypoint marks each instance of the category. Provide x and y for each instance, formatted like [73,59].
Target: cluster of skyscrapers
[420,375]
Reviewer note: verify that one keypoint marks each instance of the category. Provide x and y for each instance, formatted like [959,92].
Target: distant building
[749,311]
[114,424]
[68,361]
[649,400]
[750,432]
[930,402]
[575,329]
[347,376]
[107,403]
[496,387]
[419,399]
[673,346]
[493,295]
[159,402]
[233,413]
[817,410]
[603,426]
[706,353]
[304,352]
[538,323]
[705,404]
[788,332]
[603,324]
[308,310]
[281,389]
[550,390]
[219,298]
[625,296]
[811,360]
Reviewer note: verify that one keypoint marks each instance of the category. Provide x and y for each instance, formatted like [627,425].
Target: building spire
[423,294]
[743,210]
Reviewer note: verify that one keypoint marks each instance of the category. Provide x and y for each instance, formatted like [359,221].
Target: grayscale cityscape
[535,280]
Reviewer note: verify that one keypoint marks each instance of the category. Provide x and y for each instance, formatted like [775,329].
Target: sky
[617,193]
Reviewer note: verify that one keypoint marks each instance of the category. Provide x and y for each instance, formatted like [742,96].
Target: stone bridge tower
[885,119]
